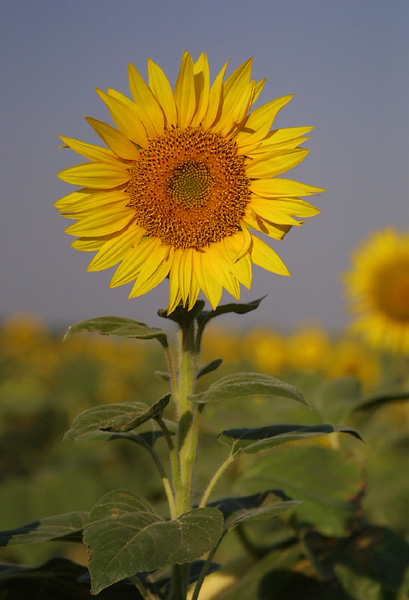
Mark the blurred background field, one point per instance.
(45, 383)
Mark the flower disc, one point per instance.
(189, 188)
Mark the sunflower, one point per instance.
(378, 287)
(186, 181)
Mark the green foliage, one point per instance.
(65, 527)
(119, 326)
(330, 521)
(118, 418)
(126, 536)
(265, 438)
(241, 385)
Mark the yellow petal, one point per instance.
(244, 238)
(202, 88)
(258, 123)
(277, 136)
(265, 257)
(102, 222)
(96, 175)
(185, 274)
(157, 277)
(222, 272)
(289, 206)
(272, 230)
(133, 261)
(185, 97)
(145, 99)
(266, 147)
(205, 278)
(257, 89)
(235, 96)
(94, 153)
(268, 209)
(153, 271)
(236, 78)
(117, 141)
(174, 284)
(275, 164)
(125, 118)
(71, 200)
(234, 118)
(215, 98)
(86, 244)
(115, 249)
(277, 187)
(241, 269)
(92, 202)
(189, 289)
(135, 108)
(162, 91)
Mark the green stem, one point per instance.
(146, 595)
(165, 479)
(216, 478)
(178, 589)
(166, 483)
(188, 417)
(203, 572)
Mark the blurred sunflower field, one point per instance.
(353, 523)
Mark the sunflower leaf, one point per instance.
(257, 506)
(116, 418)
(239, 308)
(211, 366)
(255, 440)
(67, 526)
(118, 326)
(247, 384)
(147, 439)
(163, 375)
(378, 400)
(125, 536)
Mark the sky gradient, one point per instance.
(346, 64)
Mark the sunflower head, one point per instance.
(186, 182)
(378, 287)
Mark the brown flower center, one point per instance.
(189, 188)
(392, 289)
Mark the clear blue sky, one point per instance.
(345, 61)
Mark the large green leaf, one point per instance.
(335, 400)
(117, 418)
(265, 438)
(248, 384)
(66, 526)
(327, 481)
(126, 536)
(263, 505)
(118, 326)
(58, 578)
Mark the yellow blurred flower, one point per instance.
(378, 289)
(309, 349)
(349, 357)
(266, 349)
(186, 180)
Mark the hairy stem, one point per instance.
(216, 478)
